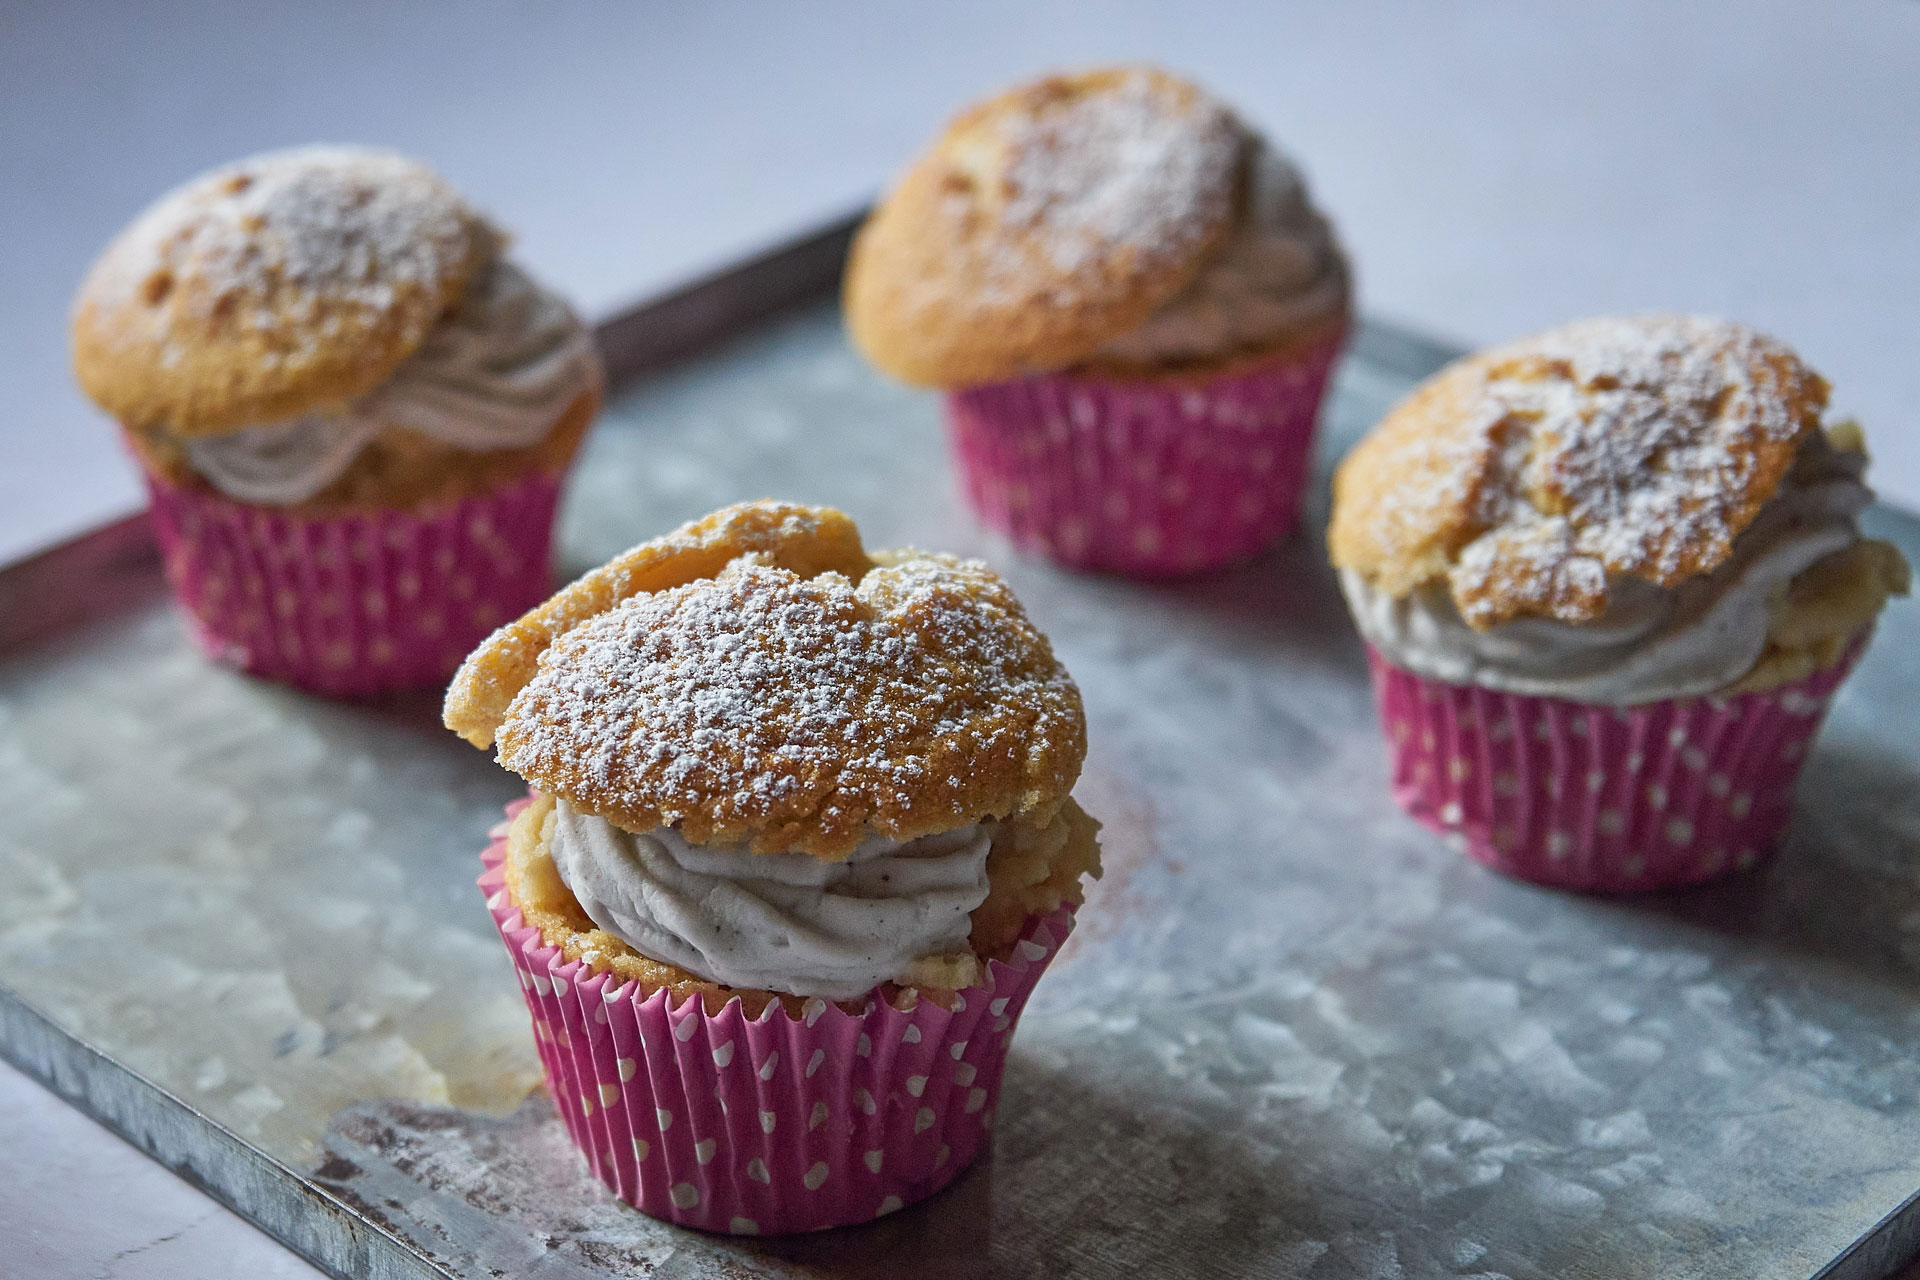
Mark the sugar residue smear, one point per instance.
(1144, 167)
(1638, 446)
(802, 713)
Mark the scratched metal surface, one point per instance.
(1294, 1035)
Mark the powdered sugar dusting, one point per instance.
(759, 701)
(1137, 168)
(1637, 446)
(281, 236)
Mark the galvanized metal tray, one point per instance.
(1294, 1035)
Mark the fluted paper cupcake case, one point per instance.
(1608, 799)
(356, 604)
(1152, 478)
(773, 1124)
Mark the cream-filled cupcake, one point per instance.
(801, 839)
(352, 410)
(1133, 306)
(1610, 577)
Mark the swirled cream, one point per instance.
(775, 921)
(1280, 271)
(498, 373)
(1653, 642)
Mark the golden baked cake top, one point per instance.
(280, 284)
(1526, 475)
(756, 678)
(1042, 224)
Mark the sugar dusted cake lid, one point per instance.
(1042, 224)
(1526, 475)
(757, 678)
(270, 287)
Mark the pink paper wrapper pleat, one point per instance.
(773, 1124)
(1153, 478)
(360, 604)
(1599, 798)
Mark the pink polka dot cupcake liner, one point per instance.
(1599, 798)
(1150, 478)
(773, 1124)
(360, 604)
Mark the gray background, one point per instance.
(1493, 167)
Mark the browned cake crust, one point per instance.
(807, 540)
(1828, 606)
(1526, 475)
(399, 469)
(1042, 224)
(281, 284)
(1032, 868)
(756, 679)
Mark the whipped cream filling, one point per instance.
(1653, 642)
(498, 373)
(1279, 271)
(786, 922)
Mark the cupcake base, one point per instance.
(1153, 478)
(357, 604)
(1607, 799)
(774, 1124)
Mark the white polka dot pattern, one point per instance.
(1607, 799)
(352, 605)
(1151, 478)
(714, 1120)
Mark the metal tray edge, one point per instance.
(106, 569)
(319, 1227)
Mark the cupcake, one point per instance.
(1610, 577)
(799, 843)
(353, 413)
(1133, 308)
